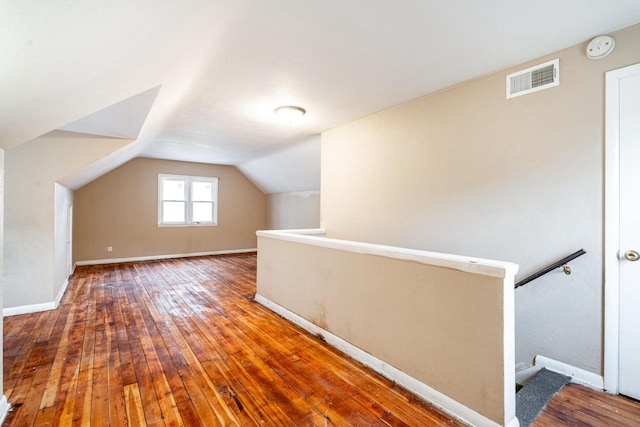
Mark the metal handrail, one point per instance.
(551, 267)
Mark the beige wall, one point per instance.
(466, 171)
(120, 209)
(442, 326)
(32, 169)
(295, 210)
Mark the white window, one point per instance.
(187, 200)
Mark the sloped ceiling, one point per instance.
(121, 120)
(224, 65)
(293, 168)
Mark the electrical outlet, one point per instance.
(245, 241)
(109, 248)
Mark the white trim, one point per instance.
(191, 224)
(28, 309)
(438, 399)
(509, 350)
(525, 375)
(36, 308)
(577, 375)
(513, 423)
(5, 407)
(304, 231)
(485, 267)
(159, 257)
(612, 225)
(61, 292)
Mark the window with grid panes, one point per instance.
(187, 200)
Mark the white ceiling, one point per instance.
(224, 65)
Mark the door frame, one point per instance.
(69, 238)
(612, 224)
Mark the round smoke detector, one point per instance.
(600, 47)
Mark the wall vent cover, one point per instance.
(533, 79)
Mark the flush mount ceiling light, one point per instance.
(289, 113)
(600, 47)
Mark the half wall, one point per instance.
(441, 325)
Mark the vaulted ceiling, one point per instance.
(198, 80)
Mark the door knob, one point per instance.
(632, 255)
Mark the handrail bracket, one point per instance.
(561, 263)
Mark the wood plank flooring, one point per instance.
(181, 342)
(576, 405)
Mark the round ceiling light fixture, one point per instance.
(600, 47)
(290, 113)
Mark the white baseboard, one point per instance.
(523, 376)
(5, 407)
(28, 309)
(433, 396)
(35, 308)
(61, 292)
(158, 257)
(579, 376)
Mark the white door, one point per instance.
(629, 251)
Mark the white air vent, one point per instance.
(533, 79)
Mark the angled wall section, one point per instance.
(34, 273)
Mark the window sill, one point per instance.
(206, 224)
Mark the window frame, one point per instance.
(188, 209)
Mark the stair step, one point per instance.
(534, 396)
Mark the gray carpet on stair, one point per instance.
(533, 397)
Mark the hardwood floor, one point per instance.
(181, 342)
(576, 405)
